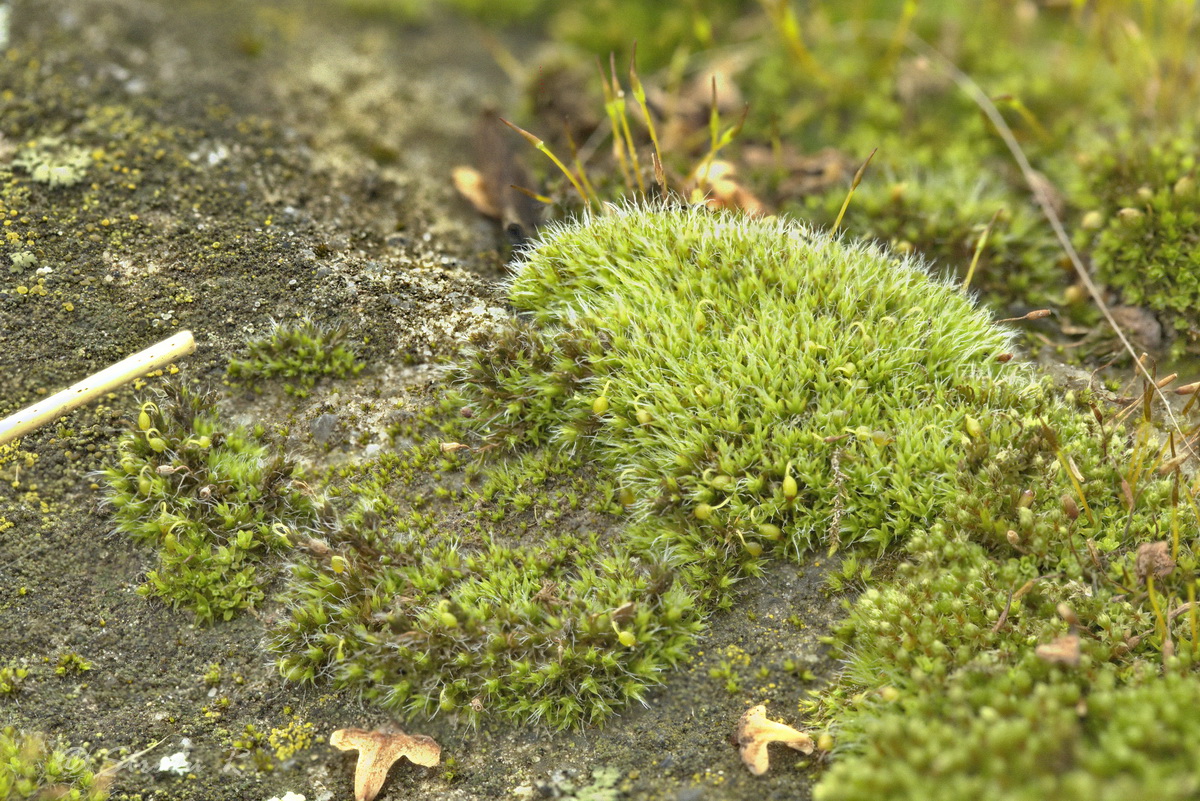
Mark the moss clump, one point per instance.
(652, 349)
(70, 663)
(1144, 225)
(12, 677)
(302, 353)
(1012, 653)
(563, 633)
(212, 500)
(743, 378)
(32, 770)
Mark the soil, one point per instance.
(257, 162)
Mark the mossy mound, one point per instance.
(748, 386)
(743, 378)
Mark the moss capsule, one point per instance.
(770, 531)
(790, 488)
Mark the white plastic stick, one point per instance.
(48, 410)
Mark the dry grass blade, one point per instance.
(540, 145)
(639, 94)
(1041, 194)
(611, 105)
(979, 246)
(858, 176)
(619, 95)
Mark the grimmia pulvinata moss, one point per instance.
(744, 385)
(717, 364)
(738, 379)
(301, 353)
(215, 502)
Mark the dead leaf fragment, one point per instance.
(755, 732)
(377, 751)
(1154, 559)
(471, 184)
(1063, 651)
(717, 186)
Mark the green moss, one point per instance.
(942, 214)
(302, 353)
(12, 676)
(667, 335)
(1143, 223)
(1055, 740)
(421, 622)
(1013, 649)
(213, 501)
(651, 350)
(32, 769)
(71, 664)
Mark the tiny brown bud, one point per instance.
(452, 447)
(1070, 509)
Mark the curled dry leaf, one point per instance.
(377, 751)
(471, 184)
(1154, 559)
(755, 732)
(717, 186)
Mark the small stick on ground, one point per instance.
(47, 411)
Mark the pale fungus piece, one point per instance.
(755, 732)
(1063, 651)
(377, 751)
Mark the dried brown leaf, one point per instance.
(755, 732)
(378, 750)
(1154, 559)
